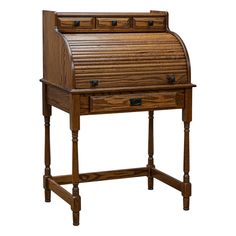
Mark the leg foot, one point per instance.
(76, 206)
(75, 218)
(186, 203)
(150, 183)
(47, 191)
(47, 195)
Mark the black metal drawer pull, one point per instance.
(171, 79)
(150, 23)
(114, 23)
(135, 101)
(77, 23)
(94, 83)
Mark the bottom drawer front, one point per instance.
(135, 102)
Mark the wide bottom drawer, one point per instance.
(136, 101)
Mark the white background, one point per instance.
(120, 207)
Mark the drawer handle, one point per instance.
(77, 23)
(171, 79)
(94, 83)
(114, 23)
(135, 101)
(150, 23)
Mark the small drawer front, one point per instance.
(149, 23)
(75, 24)
(135, 102)
(113, 23)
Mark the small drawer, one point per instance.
(113, 23)
(75, 24)
(156, 23)
(135, 102)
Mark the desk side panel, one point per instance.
(57, 63)
(58, 98)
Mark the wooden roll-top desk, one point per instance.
(97, 63)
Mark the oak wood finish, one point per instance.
(187, 118)
(126, 60)
(112, 103)
(98, 63)
(111, 23)
(157, 23)
(57, 64)
(103, 175)
(61, 192)
(75, 24)
(75, 126)
(47, 153)
(112, 14)
(186, 185)
(167, 179)
(121, 89)
(150, 164)
(58, 98)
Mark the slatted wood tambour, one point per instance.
(96, 63)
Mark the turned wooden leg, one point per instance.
(150, 164)
(47, 170)
(76, 205)
(47, 156)
(186, 192)
(75, 126)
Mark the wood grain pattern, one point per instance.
(137, 89)
(47, 159)
(76, 203)
(47, 147)
(140, 22)
(103, 175)
(70, 24)
(75, 126)
(113, 103)
(167, 179)
(61, 192)
(187, 118)
(106, 23)
(74, 104)
(157, 23)
(187, 111)
(98, 63)
(124, 60)
(58, 98)
(185, 52)
(114, 174)
(186, 191)
(57, 60)
(119, 174)
(150, 164)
